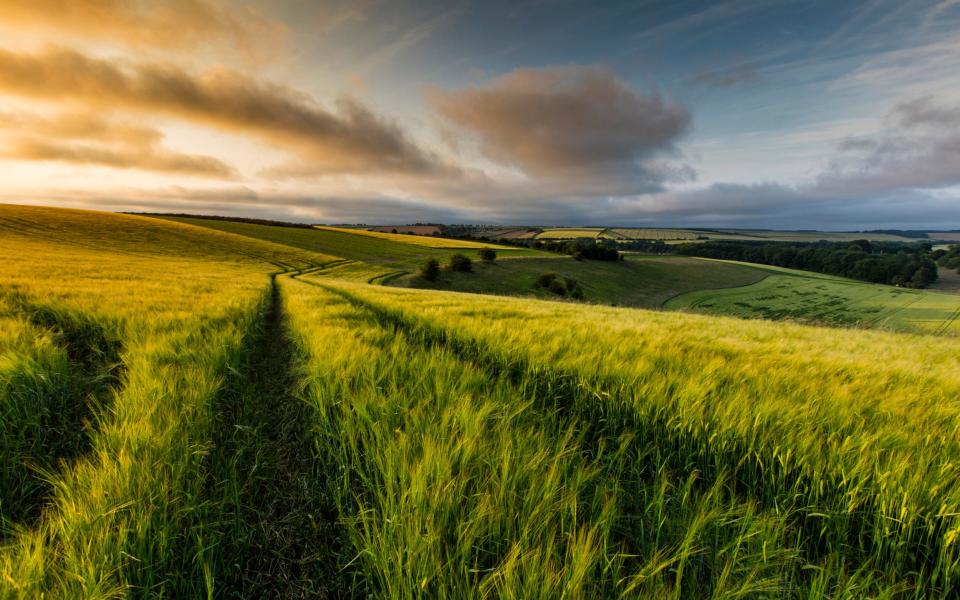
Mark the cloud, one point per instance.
(149, 159)
(920, 148)
(925, 112)
(94, 140)
(760, 205)
(168, 24)
(350, 139)
(570, 123)
(246, 202)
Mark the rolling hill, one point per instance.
(233, 412)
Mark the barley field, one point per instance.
(226, 412)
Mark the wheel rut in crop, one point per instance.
(56, 425)
(278, 531)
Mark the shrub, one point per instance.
(430, 270)
(556, 286)
(459, 262)
(546, 279)
(487, 255)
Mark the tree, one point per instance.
(459, 262)
(487, 255)
(430, 270)
(394, 230)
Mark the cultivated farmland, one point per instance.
(232, 410)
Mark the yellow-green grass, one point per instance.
(455, 481)
(565, 233)
(417, 240)
(470, 446)
(144, 236)
(850, 434)
(639, 281)
(344, 243)
(36, 399)
(132, 516)
(831, 300)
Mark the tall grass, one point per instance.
(854, 441)
(454, 482)
(130, 516)
(36, 393)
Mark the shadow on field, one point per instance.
(277, 527)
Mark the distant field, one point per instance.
(425, 240)
(639, 281)
(568, 233)
(693, 235)
(414, 229)
(649, 234)
(948, 236)
(806, 296)
(346, 243)
(805, 236)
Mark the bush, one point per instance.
(487, 255)
(459, 262)
(556, 286)
(546, 279)
(430, 270)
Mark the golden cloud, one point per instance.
(167, 24)
(350, 139)
(93, 140)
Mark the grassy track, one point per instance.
(126, 518)
(277, 534)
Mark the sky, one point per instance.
(769, 113)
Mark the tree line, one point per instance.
(892, 263)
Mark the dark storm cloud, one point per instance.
(569, 123)
(350, 139)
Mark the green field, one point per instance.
(233, 411)
(639, 281)
(788, 294)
